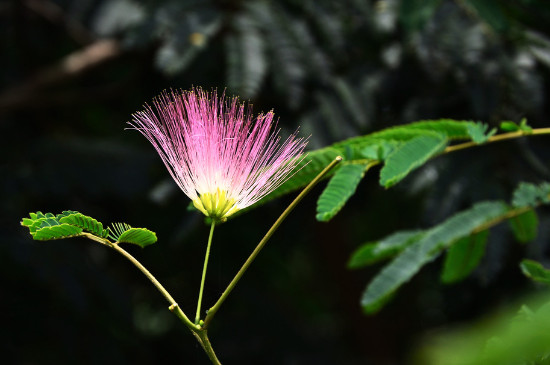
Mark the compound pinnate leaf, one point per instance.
(436, 239)
(71, 223)
(44, 227)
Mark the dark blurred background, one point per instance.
(72, 74)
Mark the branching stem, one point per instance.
(198, 328)
(212, 311)
(174, 307)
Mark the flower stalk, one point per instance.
(214, 309)
(206, 257)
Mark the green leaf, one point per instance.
(307, 170)
(124, 233)
(388, 247)
(509, 126)
(36, 224)
(479, 132)
(530, 195)
(380, 150)
(138, 236)
(339, 189)
(525, 226)
(463, 257)
(378, 146)
(451, 129)
(523, 126)
(44, 227)
(409, 156)
(535, 271)
(436, 239)
(88, 224)
(375, 307)
(504, 339)
(56, 232)
(71, 223)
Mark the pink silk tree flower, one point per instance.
(220, 156)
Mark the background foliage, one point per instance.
(75, 71)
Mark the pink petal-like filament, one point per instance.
(219, 155)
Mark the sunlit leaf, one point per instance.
(138, 236)
(88, 224)
(44, 227)
(56, 232)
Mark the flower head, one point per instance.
(219, 155)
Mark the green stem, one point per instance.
(499, 137)
(202, 337)
(509, 214)
(198, 315)
(212, 311)
(174, 307)
(200, 334)
(173, 304)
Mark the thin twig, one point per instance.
(174, 307)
